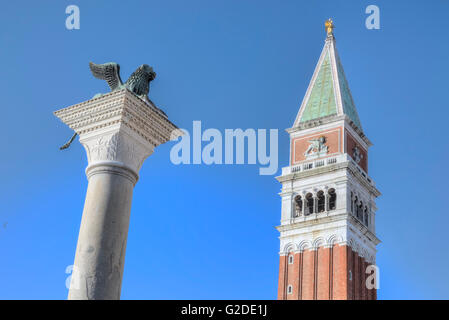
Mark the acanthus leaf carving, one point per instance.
(117, 147)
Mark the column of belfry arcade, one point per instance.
(118, 130)
(327, 231)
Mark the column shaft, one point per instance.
(100, 252)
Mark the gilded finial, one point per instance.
(329, 26)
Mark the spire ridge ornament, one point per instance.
(329, 26)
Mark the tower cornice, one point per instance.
(290, 174)
(329, 120)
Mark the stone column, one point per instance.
(326, 199)
(304, 203)
(315, 202)
(119, 131)
(293, 213)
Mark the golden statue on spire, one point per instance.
(329, 25)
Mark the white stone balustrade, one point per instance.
(309, 165)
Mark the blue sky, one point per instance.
(207, 232)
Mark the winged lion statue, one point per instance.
(138, 82)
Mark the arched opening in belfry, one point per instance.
(366, 216)
(309, 202)
(298, 206)
(360, 211)
(321, 201)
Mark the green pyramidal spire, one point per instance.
(328, 93)
(321, 101)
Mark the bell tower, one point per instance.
(327, 231)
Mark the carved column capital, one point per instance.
(118, 130)
(116, 149)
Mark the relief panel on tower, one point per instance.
(316, 145)
(356, 151)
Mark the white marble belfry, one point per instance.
(119, 131)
